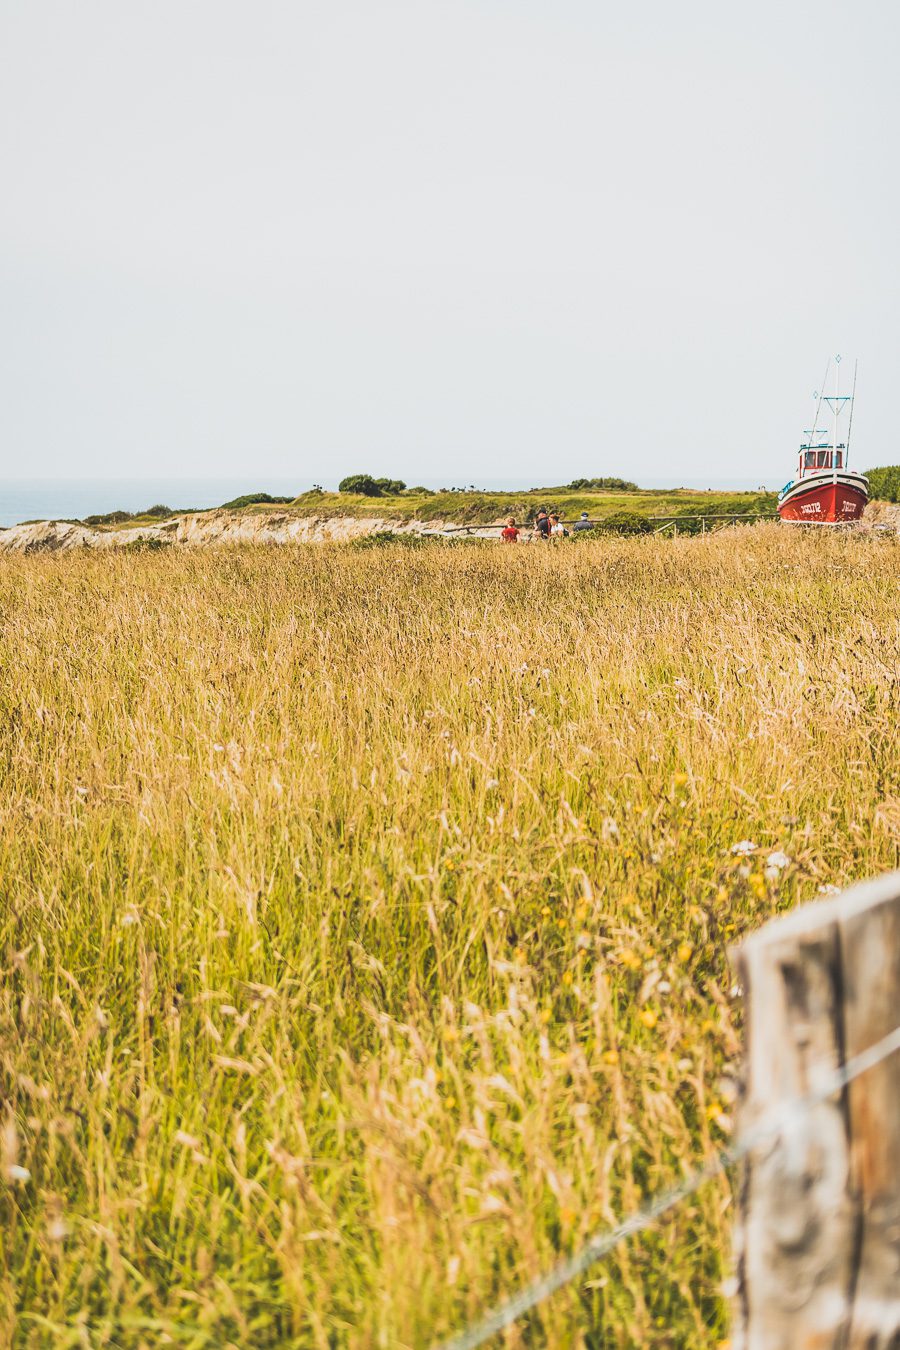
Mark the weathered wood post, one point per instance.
(818, 1233)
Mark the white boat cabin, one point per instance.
(815, 458)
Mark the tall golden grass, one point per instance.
(365, 919)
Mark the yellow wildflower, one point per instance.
(629, 958)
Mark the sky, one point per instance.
(442, 239)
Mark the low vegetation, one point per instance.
(365, 918)
(254, 499)
(884, 484)
(158, 512)
(362, 495)
(472, 507)
(600, 485)
(364, 485)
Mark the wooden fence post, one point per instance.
(817, 1239)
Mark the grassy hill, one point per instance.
(477, 507)
(484, 507)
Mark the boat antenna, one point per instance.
(850, 423)
(819, 395)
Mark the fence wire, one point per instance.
(776, 1122)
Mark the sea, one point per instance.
(74, 498)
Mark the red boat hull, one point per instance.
(824, 501)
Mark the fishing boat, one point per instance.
(825, 491)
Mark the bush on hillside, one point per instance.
(253, 499)
(625, 522)
(109, 518)
(885, 483)
(363, 484)
(601, 485)
(366, 486)
(158, 512)
(151, 545)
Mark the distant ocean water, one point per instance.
(75, 498)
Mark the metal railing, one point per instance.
(722, 519)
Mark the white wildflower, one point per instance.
(743, 848)
(18, 1174)
(778, 860)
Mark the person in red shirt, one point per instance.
(510, 534)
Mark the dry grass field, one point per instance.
(364, 918)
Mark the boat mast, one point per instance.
(813, 435)
(837, 404)
(850, 423)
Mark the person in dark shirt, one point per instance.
(542, 524)
(584, 523)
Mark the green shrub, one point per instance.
(364, 485)
(151, 545)
(601, 485)
(885, 483)
(253, 499)
(626, 522)
(110, 518)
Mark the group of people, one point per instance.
(547, 525)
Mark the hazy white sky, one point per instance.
(443, 238)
